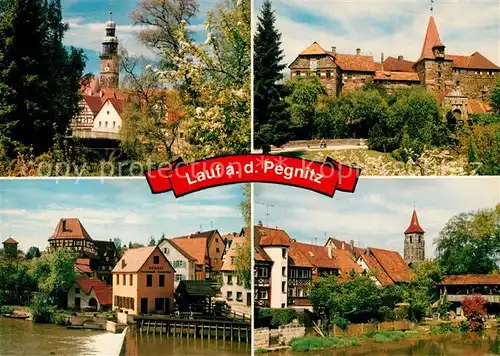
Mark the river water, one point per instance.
(22, 337)
(442, 345)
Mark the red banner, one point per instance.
(321, 177)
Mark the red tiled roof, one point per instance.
(83, 268)
(74, 230)
(117, 104)
(414, 225)
(387, 266)
(376, 268)
(86, 284)
(272, 237)
(296, 257)
(474, 61)
(94, 103)
(431, 39)
(318, 256)
(484, 279)
(181, 251)
(194, 246)
(104, 294)
(10, 240)
(83, 261)
(397, 76)
(476, 106)
(392, 64)
(134, 259)
(355, 62)
(313, 49)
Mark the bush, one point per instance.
(278, 317)
(306, 318)
(464, 326)
(444, 328)
(61, 319)
(385, 336)
(5, 309)
(387, 313)
(475, 312)
(310, 343)
(341, 322)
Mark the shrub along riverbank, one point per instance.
(311, 343)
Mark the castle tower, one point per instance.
(433, 68)
(110, 67)
(10, 248)
(414, 249)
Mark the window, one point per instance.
(133, 303)
(179, 264)
(156, 260)
(181, 134)
(232, 260)
(114, 123)
(439, 74)
(77, 290)
(117, 279)
(229, 279)
(217, 250)
(179, 277)
(216, 239)
(263, 272)
(490, 73)
(131, 280)
(419, 239)
(229, 295)
(149, 280)
(100, 123)
(308, 74)
(328, 74)
(283, 306)
(297, 73)
(162, 281)
(166, 251)
(239, 296)
(124, 280)
(349, 75)
(283, 271)
(238, 280)
(283, 287)
(105, 124)
(410, 239)
(283, 253)
(318, 73)
(263, 294)
(293, 273)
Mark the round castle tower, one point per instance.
(414, 249)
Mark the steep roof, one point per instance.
(474, 61)
(86, 284)
(387, 266)
(297, 258)
(272, 237)
(431, 40)
(179, 249)
(233, 252)
(10, 240)
(414, 225)
(313, 49)
(117, 104)
(318, 256)
(83, 265)
(355, 62)
(476, 106)
(104, 294)
(195, 247)
(259, 254)
(70, 228)
(134, 259)
(392, 64)
(94, 103)
(397, 76)
(474, 279)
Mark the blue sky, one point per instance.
(378, 212)
(87, 20)
(394, 27)
(122, 208)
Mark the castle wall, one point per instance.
(476, 84)
(436, 75)
(351, 80)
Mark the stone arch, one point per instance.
(457, 113)
(93, 302)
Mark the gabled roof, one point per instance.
(93, 102)
(233, 252)
(476, 106)
(296, 257)
(104, 294)
(259, 254)
(196, 288)
(397, 76)
(10, 240)
(392, 64)
(474, 61)
(86, 284)
(414, 225)
(70, 228)
(355, 62)
(117, 104)
(472, 279)
(318, 256)
(431, 40)
(272, 237)
(313, 49)
(195, 247)
(387, 266)
(135, 258)
(178, 248)
(83, 265)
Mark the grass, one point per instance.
(310, 343)
(386, 336)
(260, 351)
(358, 155)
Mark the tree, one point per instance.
(118, 243)
(495, 98)
(271, 119)
(39, 83)
(470, 243)
(33, 252)
(486, 139)
(152, 241)
(475, 312)
(243, 254)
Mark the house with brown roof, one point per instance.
(143, 282)
(459, 287)
(233, 289)
(435, 69)
(386, 267)
(207, 248)
(101, 256)
(181, 260)
(90, 294)
(262, 275)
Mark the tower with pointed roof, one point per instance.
(414, 249)
(434, 68)
(10, 247)
(110, 67)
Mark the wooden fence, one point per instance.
(363, 328)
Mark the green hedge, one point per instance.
(278, 317)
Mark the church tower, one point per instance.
(414, 250)
(110, 67)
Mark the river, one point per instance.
(22, 337)
(442, 345)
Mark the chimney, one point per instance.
(358, 51)
(400, 58)
(343, 245)
(367, 250)
(382, 61)
(334, 50)
(352, 243)
(64, 225)
(330, 251)
(260, 224)
(123, 263)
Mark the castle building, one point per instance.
(471, 76)
(110, 66)
(414, 246)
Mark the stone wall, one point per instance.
(350, 81)
(329, 143)
(124, 318)
(436, 75)
(261, 338)
(283, 335)
(476, 84)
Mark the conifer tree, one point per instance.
(271, 118)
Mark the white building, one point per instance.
(233, 289)
(183, 263)
(91, 294)
(108, 119)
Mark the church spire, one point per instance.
(414, 225)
